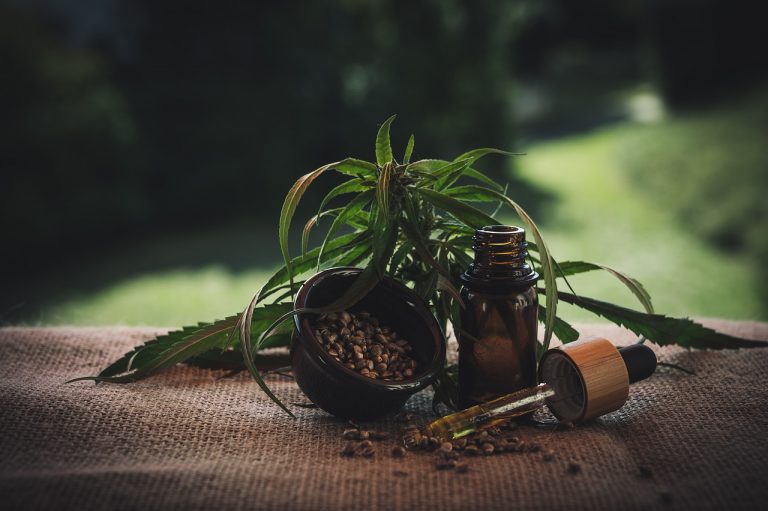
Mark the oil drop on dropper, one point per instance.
(580, 381)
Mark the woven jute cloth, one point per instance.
(194, 439)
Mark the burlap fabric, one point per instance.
(188, 439)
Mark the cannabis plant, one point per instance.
(413, 221)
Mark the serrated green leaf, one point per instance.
(311, 223)
(410, 227)
(470, 194)
(426, 168)
(479, 176)
(350, 186)
(248, 350)
(401, 253)
(663, 330)
(562, 329)
(409, 150)
(476, 154)
(445, 285)
(232, 360)
(308, 261)
(426, 286)
(500, 204)
(353, 207)
(433, 168)
(169, 349)
(465, 213)
(566, 268)
(359, 221)
(218, 359)
(450, 178)
(383, 190)
(385, 235)
(421, 248)
(355, 256)
(383, 145)
(290, 204)
(465, 241)
(356, 167)
(461, 256)
(448, 170)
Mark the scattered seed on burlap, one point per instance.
(448, 455)
(351, 434)
(471, 450)
(349, 449)
(398, 451)
(359, 342)
(378, 435)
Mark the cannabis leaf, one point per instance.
(169, 349)
(663, 330)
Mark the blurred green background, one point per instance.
(146, 147)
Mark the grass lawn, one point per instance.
(170, 298)
(599, 216)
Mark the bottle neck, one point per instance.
(500, 253)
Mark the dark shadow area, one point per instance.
(139, 136)
(127, 121)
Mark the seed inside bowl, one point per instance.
(360, 342)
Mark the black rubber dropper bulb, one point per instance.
(640, 361)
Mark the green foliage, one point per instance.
(411, 221)
(178, 346)
(661, 329)
(711, 171)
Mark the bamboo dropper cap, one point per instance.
(592, 377)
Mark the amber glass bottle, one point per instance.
(497, 339)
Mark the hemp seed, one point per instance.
(398, 452)
(351, 434)
(348, 449)
(373, 351)
(574, 468)
(471, 450)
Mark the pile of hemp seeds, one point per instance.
(452, 455)
(360, 342)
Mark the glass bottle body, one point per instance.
(497, 345)
(497, 335)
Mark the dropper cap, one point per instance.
(592, 377)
